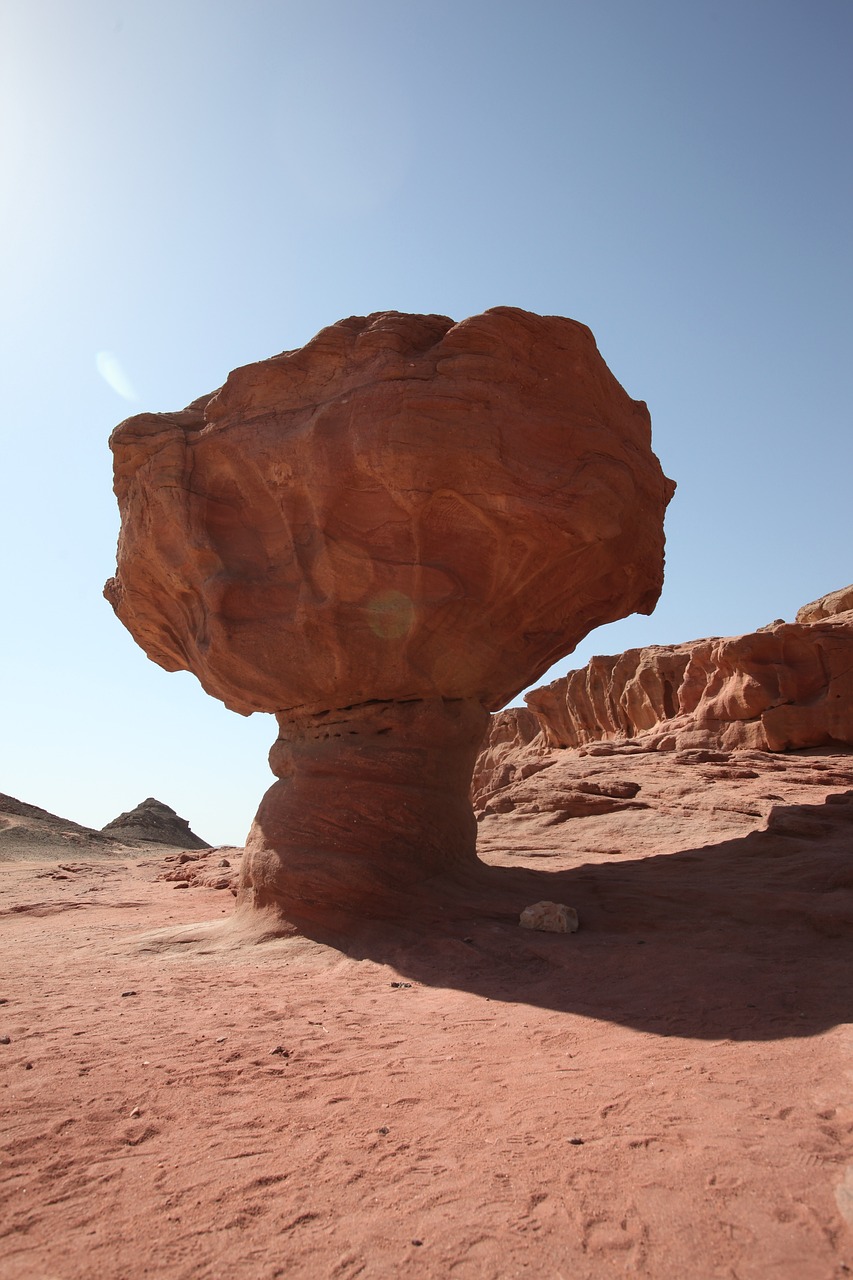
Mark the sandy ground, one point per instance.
(667, 1093)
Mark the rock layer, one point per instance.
(785, 687)
(369, 802)
(391, 530)
(782, 688)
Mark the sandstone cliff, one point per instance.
(785, 687)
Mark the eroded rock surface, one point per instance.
(786, 687)
(403, 508)
(828, 606)
(379, 537)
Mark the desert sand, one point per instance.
(665, 1093)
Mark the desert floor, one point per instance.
(666, 1093)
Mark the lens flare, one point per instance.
(114, 376)
(391, 615)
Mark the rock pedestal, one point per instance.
(370, 802)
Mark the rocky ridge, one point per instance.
(785, 687)
(26, 831)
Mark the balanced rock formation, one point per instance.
(381, 537)
(154, 822)
(785, 687)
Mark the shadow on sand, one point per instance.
(748, 939)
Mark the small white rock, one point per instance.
(550, 917)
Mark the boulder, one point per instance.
(549, 917)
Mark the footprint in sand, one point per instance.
(844, 1196)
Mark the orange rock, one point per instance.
(828, 606)
(784, 687)
(404, 510)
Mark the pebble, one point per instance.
(5, 1040)
(128, 993)
(181, 884)
(401, 985)
(284, 1053)
(135, 1112)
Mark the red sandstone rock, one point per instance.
(377, 537)
(778, 689)
(403, 508)
(827, 606)
(784, 687)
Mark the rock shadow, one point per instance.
(747, 939)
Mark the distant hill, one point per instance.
(30, 833)
(154, 822)
(26, 831)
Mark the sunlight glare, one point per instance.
(113, 374)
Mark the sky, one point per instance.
(191, 185)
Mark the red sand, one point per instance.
(666, 1093)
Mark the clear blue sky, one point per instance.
(188, 186)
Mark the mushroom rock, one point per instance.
(381, 537)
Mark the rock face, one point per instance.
(784, 687)
(155, 822)
(829, 606)
(380, 537)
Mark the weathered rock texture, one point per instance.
(784, 687)
(154, 821)
(380, 537)
(828, 606)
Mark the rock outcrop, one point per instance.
(154, 822)
(380, 537)
(787, 686)
(828, 606)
